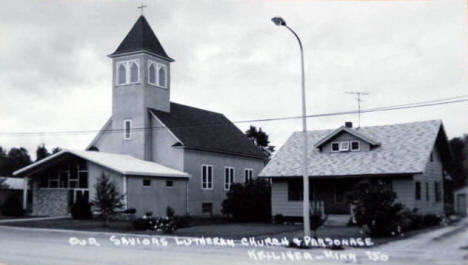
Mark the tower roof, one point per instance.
(141, 38)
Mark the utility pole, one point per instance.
(358, 95)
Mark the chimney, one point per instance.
(348, 124)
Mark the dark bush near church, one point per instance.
(12, 207)
(81, 210)
(375, 207)
(249, 202)
(141, 224)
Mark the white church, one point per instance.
(160, 153)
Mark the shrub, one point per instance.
(129, 211)
(431, 220)
(375, 207)
(141, 224)
(279, 219)
(248, 202)
(182, 221)
(12, 207)
(169, 212)
(81, 210)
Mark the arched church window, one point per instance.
(162, 77)
(122, 74)
(134, 73)
(152, 74)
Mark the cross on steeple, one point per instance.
(141, 7)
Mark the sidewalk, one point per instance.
(32, 219)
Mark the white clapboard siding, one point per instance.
(280, 203)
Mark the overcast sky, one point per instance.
(55, 74)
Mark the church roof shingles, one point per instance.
(207, 131)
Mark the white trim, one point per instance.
(127, 64)
(129, 129)
(331, 147)
(230, 177)
(124, 191)
(207, 177)
(157, 66)
(25, 193)
(91, 158)
(351, 146)
(344, 146)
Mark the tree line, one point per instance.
(18, 157)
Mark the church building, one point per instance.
(160, 153)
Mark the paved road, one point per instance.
(19, 246)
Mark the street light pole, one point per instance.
(306, 204)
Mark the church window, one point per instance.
(134, 73)
(127, 129)
(122, 74)
(207, 177)
(157, 74)
(152, 74)
(162, 76)
(228, 177)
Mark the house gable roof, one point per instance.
(204, 130)
(123, 164)
(404, 149)
(141, 38)
(342, 129)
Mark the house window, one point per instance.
(344, 146)
(207, 207)
(146, 182)
(169, 183)
(427, 191)
(437, 191)
(417, 190)
(127, 129)
(355, 146)
(248, 172)
(228, 177)
(335, 147)
(207, 177)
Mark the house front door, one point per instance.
(461, 202)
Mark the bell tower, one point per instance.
(141, 81)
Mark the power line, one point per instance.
(445, 101)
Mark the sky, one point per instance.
(230, 58)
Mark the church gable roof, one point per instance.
(141, 38)
(207, 131)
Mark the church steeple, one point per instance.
(141, 81)
(141, 38)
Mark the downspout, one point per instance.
(25, 193)
(187, 197)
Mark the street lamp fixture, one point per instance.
(306, 204)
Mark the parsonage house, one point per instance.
(411, 158)
(160, 154)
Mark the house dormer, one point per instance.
(346, 139)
